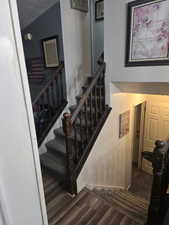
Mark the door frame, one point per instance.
(28, 104)
(142, 125)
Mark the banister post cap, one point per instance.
(159, 144)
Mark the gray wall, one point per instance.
(97, 36)
(47, 25)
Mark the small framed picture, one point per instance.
(81, 5)
(50, 52)
(124, 124)
(99, 10)
(147, 41)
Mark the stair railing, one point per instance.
(159, 203)
(49, 103)
(83, 126)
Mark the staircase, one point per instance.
(98, 207)
(68, 151)
(48, 100)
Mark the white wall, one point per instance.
(77, 47)
(115, 35)
(19, 191)
(109, 163)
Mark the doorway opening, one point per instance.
(150, 123)
(141, 180)
(138, 133)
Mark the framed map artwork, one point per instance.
(147, 41)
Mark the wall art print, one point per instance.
(124, 124)
(81, 5)
(99, 10)
(147, 40)
(50, 52)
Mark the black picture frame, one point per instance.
(79, 6)
(97, 6)
(142, 62)
(53, 40)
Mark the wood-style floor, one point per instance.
(87, 208)
(141, 183)
(57, 199)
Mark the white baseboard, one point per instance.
(106, 187)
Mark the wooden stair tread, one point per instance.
(67, 209)
(125, 205)
(87, 208)
(92, 209)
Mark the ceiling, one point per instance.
(157, 88)
(29, 10)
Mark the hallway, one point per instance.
(141, 183)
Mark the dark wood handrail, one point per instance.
(87, 93)
(56, 73)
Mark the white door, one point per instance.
(156, 128)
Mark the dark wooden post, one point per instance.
(67, 128)
(160, 183)
(104, 89)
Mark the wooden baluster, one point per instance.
(61, 85)
(160, 183)
(49, 103)
(81, 132)
(100, 100)
(76, 144)
(52, 96)
(67, 128)
(56, 92)
(95, 104)
(86, 121)
(104, 92)
(91, 112)
(43, 106)
(100, 96)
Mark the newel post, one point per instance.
(160, 183)
(67, 128)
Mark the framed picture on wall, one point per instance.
(50, 52)
(81, 5)
(124, 124)
(147, 42)
(99, 10)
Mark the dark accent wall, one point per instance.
(47, 25)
